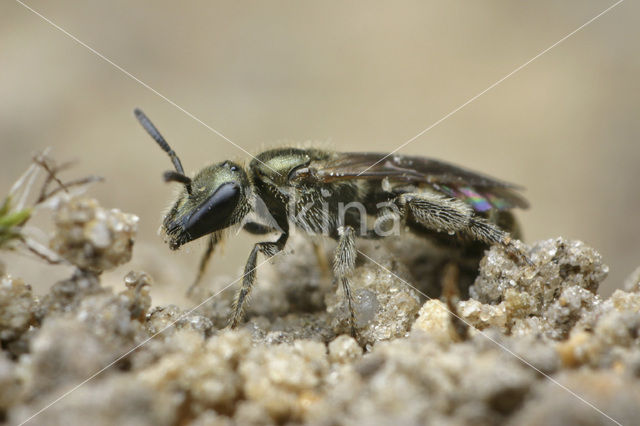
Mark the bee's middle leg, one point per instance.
(269, 249)
(343, 265)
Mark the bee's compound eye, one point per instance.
(230, 166)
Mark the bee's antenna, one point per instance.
(171, 176)
(178, 175)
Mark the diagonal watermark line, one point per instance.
(106, 367)
(501, 346)
(136, 79)
(493, 85)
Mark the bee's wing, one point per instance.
(480, 191)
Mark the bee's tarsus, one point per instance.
(518, 254)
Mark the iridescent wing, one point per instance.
(481, 192)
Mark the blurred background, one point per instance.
(355, 76)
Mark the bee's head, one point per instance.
(214, 199)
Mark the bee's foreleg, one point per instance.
(343, 265)
(269, 249)
(212, 241)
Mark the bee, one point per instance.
(332, 194)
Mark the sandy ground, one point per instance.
(533, 345)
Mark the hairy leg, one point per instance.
(343, 265)
(443, 214)
(214, 239)
(269, 249)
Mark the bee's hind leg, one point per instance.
(442, 214)
(343, 265)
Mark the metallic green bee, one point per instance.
(335, 194)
